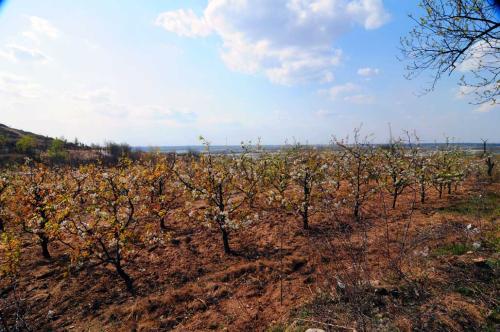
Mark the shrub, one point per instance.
(26, 145)
(57, 152)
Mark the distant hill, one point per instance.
(69, 152)
(10, 136)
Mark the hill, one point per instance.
(12, 136)
(9, 138)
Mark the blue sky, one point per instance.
(163, 72)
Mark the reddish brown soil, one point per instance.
(189, 284)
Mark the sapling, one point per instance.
(213, 178)
(250, 170)
(395, 169)
(39, 203)
(359, 168)
(105, 226)
(308, 171)
(162, 187)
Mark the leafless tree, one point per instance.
(457, 34)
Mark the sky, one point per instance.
(164, 72)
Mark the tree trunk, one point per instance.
(440, 190)
(162, 224)
(490, 164)
(394, 199)
(449, 188)
(129, 282)
(307, 198)
(225, 240)
(251, 201)
(44, 243)
(2, 227)
(356, 211)
(305, 218)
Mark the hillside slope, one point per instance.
(12, 135)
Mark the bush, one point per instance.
(26, 144)
(57, 152)
(117, 151)
(456, 249)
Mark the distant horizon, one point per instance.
(272, 147)
(305, 144)
(291, 141)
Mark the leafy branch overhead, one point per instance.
(456, 35)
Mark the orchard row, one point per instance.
(107, 214)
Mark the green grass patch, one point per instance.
(485, 206)
(304, 313)
(465, 291)
(492, 242)
(285, 328)
(493, 263)
(493, 321)
(455, 249)
(277, 328)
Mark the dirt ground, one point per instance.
(420, 270)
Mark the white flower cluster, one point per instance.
(274, 197)
(154, 239)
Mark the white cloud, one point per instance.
(184, 23)
(41, 27)
(464, 90)
(19, 87)
(487, 107)
(161, 113)
(467, 90)
(7, 55)
(480, 55)
(323, 113)
(368, 72)
(290, 41)
(112, 110)
(337, 91)
(360, 99)
(348, 92)
(370, 13)
(17, 53)
(105, 102)
(99, 96)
